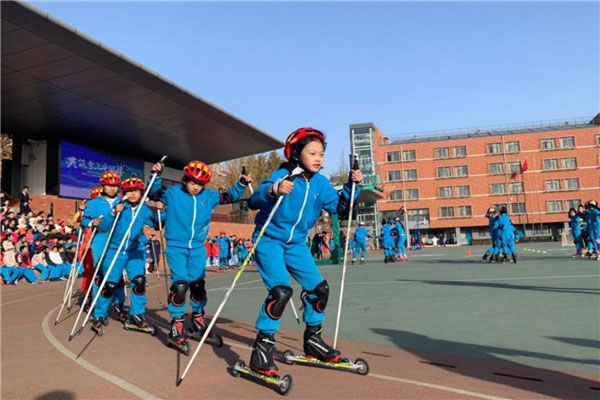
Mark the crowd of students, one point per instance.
(225, 251)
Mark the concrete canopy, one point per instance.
(59, 83)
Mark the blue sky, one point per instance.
(405, 66)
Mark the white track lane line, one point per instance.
(136, 391)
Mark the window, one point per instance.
(552, 185)
(419, 214)
(460, 151)
(446, 212)
(395, 175)
(512, 147)
(396, 195)
(499, 206)
(461, 170)
(567, 142)
(410, 174)
(412, 194)
(569, 163)
(571, 184)
(548, 144)
(409, 155)
(598, 140)
(463, 191)
(518, 208)
(554, 206)
(516, 187)
(514, 167)
(443, 172)
(445, 191)
(550, 164)
(465, 211)
(442, 152)
(497, 188)
(393, 156)
(496, 168)
(494, 148)
(574, 203)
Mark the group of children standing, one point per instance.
(393, 240)
(224, 251)
(585, 228)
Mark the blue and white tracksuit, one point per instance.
(131, 258)
(506, 231)
(101, 206)
(281, 251)
(592, 218)
(186, 228)
(223, 250)
(360, 235)
(575, 222)
(495, 234)
(387, 241)
(400, 239)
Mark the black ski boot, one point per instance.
(98, 326)
(362, 261)
(261, 359)
(315, 347)
(177, 337)
(353, 261)
(485, 256)
(139, 323)
(385, 260)
(514, 258)
(199, 328)
(120, 314)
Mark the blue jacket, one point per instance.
(386, 235)
(493, 224)
(187, 216)
(223, 246)
(593, 219)
(300, 209)
(135, 240)
(361, 234)
(94, 209)
(505, 227)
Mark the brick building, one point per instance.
(447, 182)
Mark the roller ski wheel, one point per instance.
(360, 366)
(283, 384)
(97, 326)
(140, 324)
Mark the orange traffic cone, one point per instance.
(468, 253)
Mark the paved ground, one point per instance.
(442, 325)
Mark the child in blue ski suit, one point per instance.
(494, 251)
(281, 251)
(131, 257)
(575, 224)
(360, 236)
(188, 213)
(593, 223)
(400, 237)
(387, 242)
(223, 251)
(507, 235)
(96, 209)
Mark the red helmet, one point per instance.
(110, 178)
(298, 135)
(97, 191)
(198, 172)
(130, 184)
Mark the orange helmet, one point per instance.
(299, 134)
(198, 172)
(110, 178)
(130, 184)
(97, 191)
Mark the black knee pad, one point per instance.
(197, 291)
(317, 297)
(138, 284)
(178, 291)
(98, 279)
(109, 289)
(276, 301)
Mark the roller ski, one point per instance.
(98, 325)
(177, 337)
(362, 261)
(199, 327)
(139, 323)
(262, 366)
(318, 353)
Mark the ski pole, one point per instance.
(339, 311)
(245, 172)
(162, 250)
(154, 257)
(66, 294)
(134, 216)
(94, 231)
(296, 172)
(124, 274)
(96, 270)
